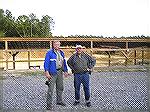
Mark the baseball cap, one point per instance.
(79, 46)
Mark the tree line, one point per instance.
(31, 26)
(25, 26)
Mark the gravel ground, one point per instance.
(110, 91)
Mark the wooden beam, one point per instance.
(76, 39)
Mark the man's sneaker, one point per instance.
(61, 103)
(76, 103)
(49, 107)
(88, 104)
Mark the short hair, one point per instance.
(54, 41)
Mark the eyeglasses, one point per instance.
(79, 48)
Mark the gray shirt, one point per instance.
(59, 60)
(81, 64)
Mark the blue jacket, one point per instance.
(50, 62)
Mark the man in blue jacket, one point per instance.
(55, 66)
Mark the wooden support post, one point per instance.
(6, 48)
(91, 51)
(127, 45)
(135, 57)
(6, 45)
(6, 60)
(108, 52)
(29, 59)
(142, 56)
(1, 64)
(109, 58)
(126, 60)
(14, 54)
(13, 62)
(50, 44)
(91, 44)
(126, 57)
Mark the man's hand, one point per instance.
(48, 75)
(66, 74)
(90, 69)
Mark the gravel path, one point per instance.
(110, 91)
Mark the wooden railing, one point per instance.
(104, 57)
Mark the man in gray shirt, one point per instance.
(81, 65)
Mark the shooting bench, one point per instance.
(34, 67)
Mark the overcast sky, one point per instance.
(88, 17)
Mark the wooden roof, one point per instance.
(77, 39)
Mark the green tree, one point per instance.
(22, 25)
(25, 26)
(10, 25)
(47, 25)
(2, 22)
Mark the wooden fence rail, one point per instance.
(108, 57)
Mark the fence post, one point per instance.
(91, 50)
(14, 54)
(29, 59)
(142, 56)
(127, 45)
(126, 60)
(91, 44)
(13, 62)
(134, 57)
(109, 57)
(6, 49)
(50, 44)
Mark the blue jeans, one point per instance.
(84, 79)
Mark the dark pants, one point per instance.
(84, 79)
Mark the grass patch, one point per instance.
(2, 78)
(147, 66)
(32, 73)
(22, 73)
(123, 70)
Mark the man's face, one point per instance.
(79, 50)
(56, 45)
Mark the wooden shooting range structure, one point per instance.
(12, 46)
